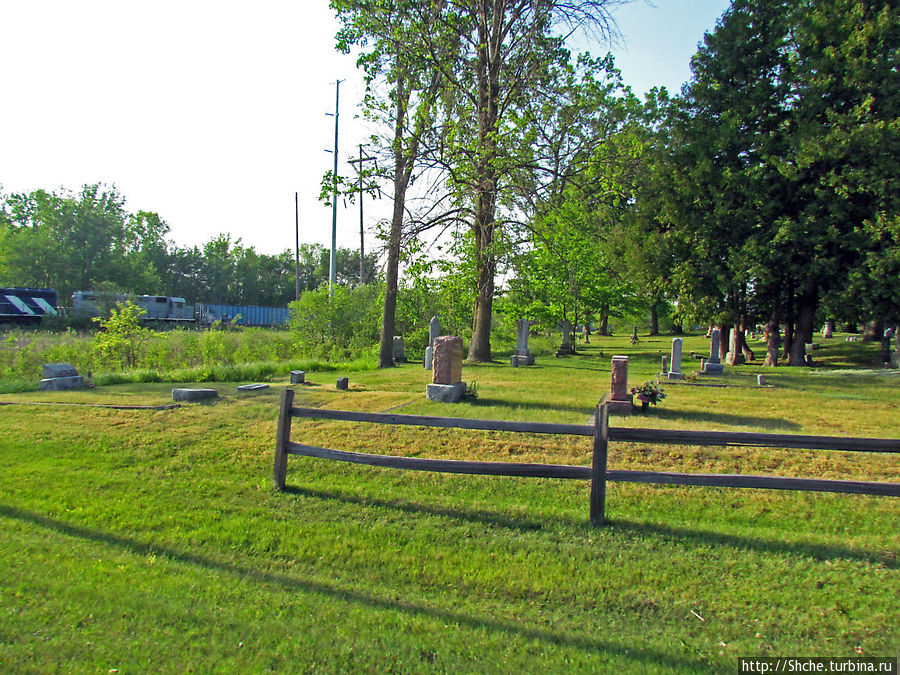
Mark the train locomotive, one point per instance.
(26, 306)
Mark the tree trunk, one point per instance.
(677, 328)
(654, 318)
(403, 165)
(723, 341)
(389, 309)
(788, 339)
(603, 328)
(488, 79)
(745, 348)
(773, 335)
(874, 331)
(804, 333)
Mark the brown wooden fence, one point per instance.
(597, 473)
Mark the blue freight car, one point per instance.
(26, 306)
(243, 315)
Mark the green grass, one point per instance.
(152, 541)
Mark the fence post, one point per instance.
(283, 438)
(598, 464)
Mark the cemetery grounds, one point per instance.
(153, 540)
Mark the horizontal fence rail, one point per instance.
(597, 473)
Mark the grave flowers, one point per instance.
(648, 393)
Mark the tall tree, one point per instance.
(507, 53)
(403, 87)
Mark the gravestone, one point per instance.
(620, 401)
(193, 394)
(675, 371)
(298, 376)
(258, 386)
(522, 355)
(713, 365)
(828, 330)
(434, 331)
(565, 348)
(735, 356)
(59, 376)
(665, 367)
(398, 349)
(343, 383)
(446, 377)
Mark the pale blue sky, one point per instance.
(212, 112)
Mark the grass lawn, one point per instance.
(153, 541)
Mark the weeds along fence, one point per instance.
(597, 473)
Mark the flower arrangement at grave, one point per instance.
(649, 393)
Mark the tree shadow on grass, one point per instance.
(820, 552)
(729, 419)
(336, 592)
(483, 517)
(531, 405)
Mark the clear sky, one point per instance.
(213, 113)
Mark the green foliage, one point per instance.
(337, 325)
(121, 338)
(649, 392)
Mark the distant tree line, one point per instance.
(87, 240)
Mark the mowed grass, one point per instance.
(152, 540)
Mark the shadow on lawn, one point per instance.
(820, 552)
(723, 418)
(484, 517)
(447, 616)
(533, 405)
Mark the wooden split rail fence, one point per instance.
(597, 473)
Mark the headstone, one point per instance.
(828, 330)
(434, 331)
(51, 370)
(566, 346)
(665, 367)
(675, 372)
(343, 383)
(259, 386)
(620, 400)
(193, 394)
(522, 355)
(713, 365)
(735, 356)
(446, 378)
(298, 376)
(760, 381)
(398, 349)
(60, 376)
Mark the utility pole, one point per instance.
(332, 277)
(297, 244)
(362, 245)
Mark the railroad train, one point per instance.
(169, 309)
(26, 306)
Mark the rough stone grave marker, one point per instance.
(446, 378)
(59, 376)
(621, 401)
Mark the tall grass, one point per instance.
(165, 356)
